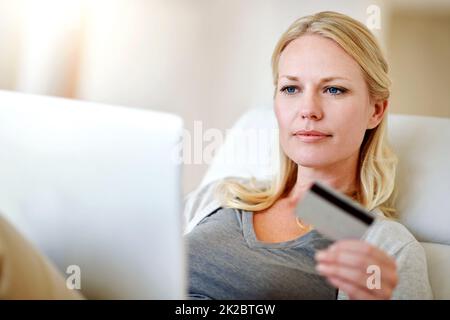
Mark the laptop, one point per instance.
(98, 189)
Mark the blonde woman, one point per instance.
(331, 98)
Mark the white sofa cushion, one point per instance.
(423, 147)
(438, 259)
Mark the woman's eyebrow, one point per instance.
(293, 78)
(323, 80)
(328, 79)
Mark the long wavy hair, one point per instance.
(377, 162)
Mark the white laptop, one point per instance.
(96, 187)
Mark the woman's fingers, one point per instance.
(359, 254)
(348, 261)
(342, 257)
(356, 278)
(352, 291)
(358, 246)
(350, 275)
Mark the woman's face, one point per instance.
(321, 88)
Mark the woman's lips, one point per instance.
(311, 137)
(306, 138)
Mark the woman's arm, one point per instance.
(412, 268)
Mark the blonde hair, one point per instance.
(377, 162)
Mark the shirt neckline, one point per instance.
(253, 242)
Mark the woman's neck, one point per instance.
(340, 176)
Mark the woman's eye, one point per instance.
(335, 90)
(289, 90)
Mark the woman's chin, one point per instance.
(311, 162)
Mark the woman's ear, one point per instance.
(377, 113)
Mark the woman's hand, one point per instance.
(353, 265)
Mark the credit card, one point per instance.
(333, 214)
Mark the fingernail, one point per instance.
(320, 255)
(321, 267)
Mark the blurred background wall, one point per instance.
(206, 60)
(418, 42)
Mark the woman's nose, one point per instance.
(310, 108)
(310, 114)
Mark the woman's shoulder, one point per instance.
(202, 201)
(389, 235)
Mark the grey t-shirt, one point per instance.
(227, 261)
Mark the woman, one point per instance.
(331, 96)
